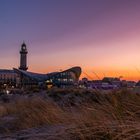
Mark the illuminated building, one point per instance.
(23, 78)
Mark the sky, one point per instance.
(100, 36)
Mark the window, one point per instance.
(65, 80)
(71, 80)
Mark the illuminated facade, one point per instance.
(8, 77)
(60, 79)
(23, 78)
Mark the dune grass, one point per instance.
(111, 116)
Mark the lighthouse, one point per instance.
(23, 57)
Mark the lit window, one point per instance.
(65, 80)
(71, 80)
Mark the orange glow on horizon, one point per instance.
(96, 74)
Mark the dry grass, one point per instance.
(34, 112)
(112, 116)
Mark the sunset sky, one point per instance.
(101, 36)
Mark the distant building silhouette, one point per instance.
(23, 57)
(23, 78)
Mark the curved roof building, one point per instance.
(23, 77)
(64, 78)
